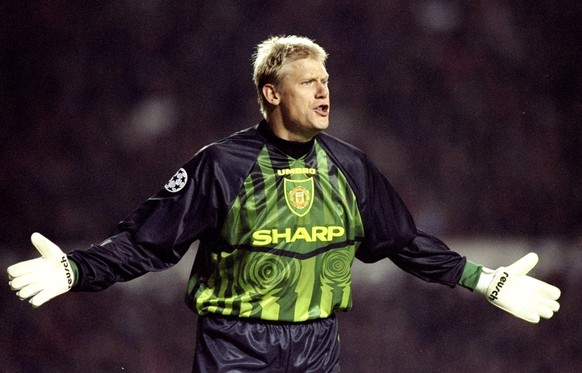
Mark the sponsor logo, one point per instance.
(67, 269)
(177, 182)
(299, 195)
(297, 171)
(495, 293)
(263, 237)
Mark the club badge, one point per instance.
(299, 195)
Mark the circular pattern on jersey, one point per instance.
(177, 182)
(336, 268)
(261, 273)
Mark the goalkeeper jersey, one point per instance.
(277, 233)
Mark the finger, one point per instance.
(30, 290)
(46, 248)
(542, 288)
(548, 304)
(41, 298)
(547, 313)
(545, 307)
(24, 280)
(525, 264)
(25, 267)
(528, 315)
(549, 291)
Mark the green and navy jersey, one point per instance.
(277, 233)
(287, 243)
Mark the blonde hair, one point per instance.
(271, 56)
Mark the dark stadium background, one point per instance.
(472, 110)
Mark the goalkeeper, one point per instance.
(280, 210)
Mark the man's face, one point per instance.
(304, 98)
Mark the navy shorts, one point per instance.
(226, 344)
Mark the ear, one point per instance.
(271, 94)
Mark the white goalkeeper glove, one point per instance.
(43, 278)
(511, 289)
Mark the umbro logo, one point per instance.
(297, 171)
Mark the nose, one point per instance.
(322, 90)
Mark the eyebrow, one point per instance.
(326, 77)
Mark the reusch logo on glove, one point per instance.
(498, 287)
(67, 269)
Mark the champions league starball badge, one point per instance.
(177, 182)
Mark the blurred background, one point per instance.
(471, 109)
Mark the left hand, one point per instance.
(511, 289)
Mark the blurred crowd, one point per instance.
(471, 109)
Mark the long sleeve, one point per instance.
(159, 232)
(192, 206)
(389, 229)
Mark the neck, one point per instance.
(295, 149)
(288, 131)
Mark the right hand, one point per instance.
(43, 278)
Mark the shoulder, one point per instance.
(241, 143)
(242, 146)
(359, 170)
(346, 155)
(337, 144)
(228, 159)
(225, 162)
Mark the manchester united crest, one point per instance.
(299, 195)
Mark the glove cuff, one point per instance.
(470, 276)
(75, 272)
(485, 279)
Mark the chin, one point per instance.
(322, 123)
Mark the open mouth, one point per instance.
(322, 109)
